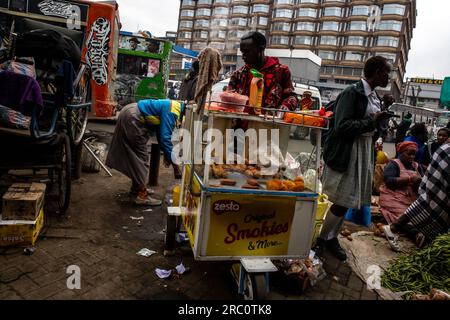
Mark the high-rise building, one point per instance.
(344, 33)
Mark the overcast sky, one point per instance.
(430, 48)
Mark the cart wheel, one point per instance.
(64, 177)
(255, 286)
(171, 230)
(76, 120)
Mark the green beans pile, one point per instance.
(421, 270)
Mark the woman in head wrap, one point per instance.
(402, 178)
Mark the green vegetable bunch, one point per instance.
(421, 270)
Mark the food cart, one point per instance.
(241, 222)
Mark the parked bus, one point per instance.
(143, 68)
(94, 26)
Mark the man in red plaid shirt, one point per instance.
(278, 89)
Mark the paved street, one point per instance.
(98, 235)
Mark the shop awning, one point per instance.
(185, 52)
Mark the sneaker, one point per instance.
(391, 238)
(148, 201)
(335, 248)
(319, 247)
(134, 192)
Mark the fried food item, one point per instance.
(299, 179)
(228, 182)
(288, 185)
(299, 186)
(253, 182)
(275, 185)
(219, 172)
(249, 186)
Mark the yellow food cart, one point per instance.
(229, 223)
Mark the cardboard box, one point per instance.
(17, 233)
(23, 201)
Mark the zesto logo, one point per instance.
(226, 206)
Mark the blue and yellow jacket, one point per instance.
(164, 115)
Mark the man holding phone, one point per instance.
(348, 151)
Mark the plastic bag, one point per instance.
(293, 169)
(89, 164)
(310, 181)
(362, 216)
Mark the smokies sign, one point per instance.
(59, 9)
(250, 226)
(97, 53)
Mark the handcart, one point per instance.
(231, 223)
(53, 120)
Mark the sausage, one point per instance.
(253, 182)
(228, 182)
(249, 186)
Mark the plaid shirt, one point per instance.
(431, 212)
(278, 89)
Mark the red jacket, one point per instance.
(278, 89)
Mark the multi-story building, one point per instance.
(344, 33)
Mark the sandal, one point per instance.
(391, 238)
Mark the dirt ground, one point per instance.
(98, 235)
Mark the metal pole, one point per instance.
(97, 159)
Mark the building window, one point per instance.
(308, 1)
(186, 24)
(390, 25)
(222, 1)
(328, 40)
(360, 11)
(261, 21)
(221, 34)
(187, 13)
(332, 12)
(334, 0)
(204, 2)
(358, 26)
(203, 12)
(307, 12)
(201, 34)
(391, 57)
(281, 26)
(186, 45)
(305, 26)
(198, 46)
(354, 56)
(307, 40)
(239, 22)
(327, 55)
(185, 35)
(260, 8)
(236, 34)
(330, 25)
(219, 22)
(281, 40)
(282, 13)
(221, 11)
(240, 9)
(387, 42)
(285, 1)
(217, 45)
(188, 3)
(355, 41)
(202, 23)
(398, 9)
